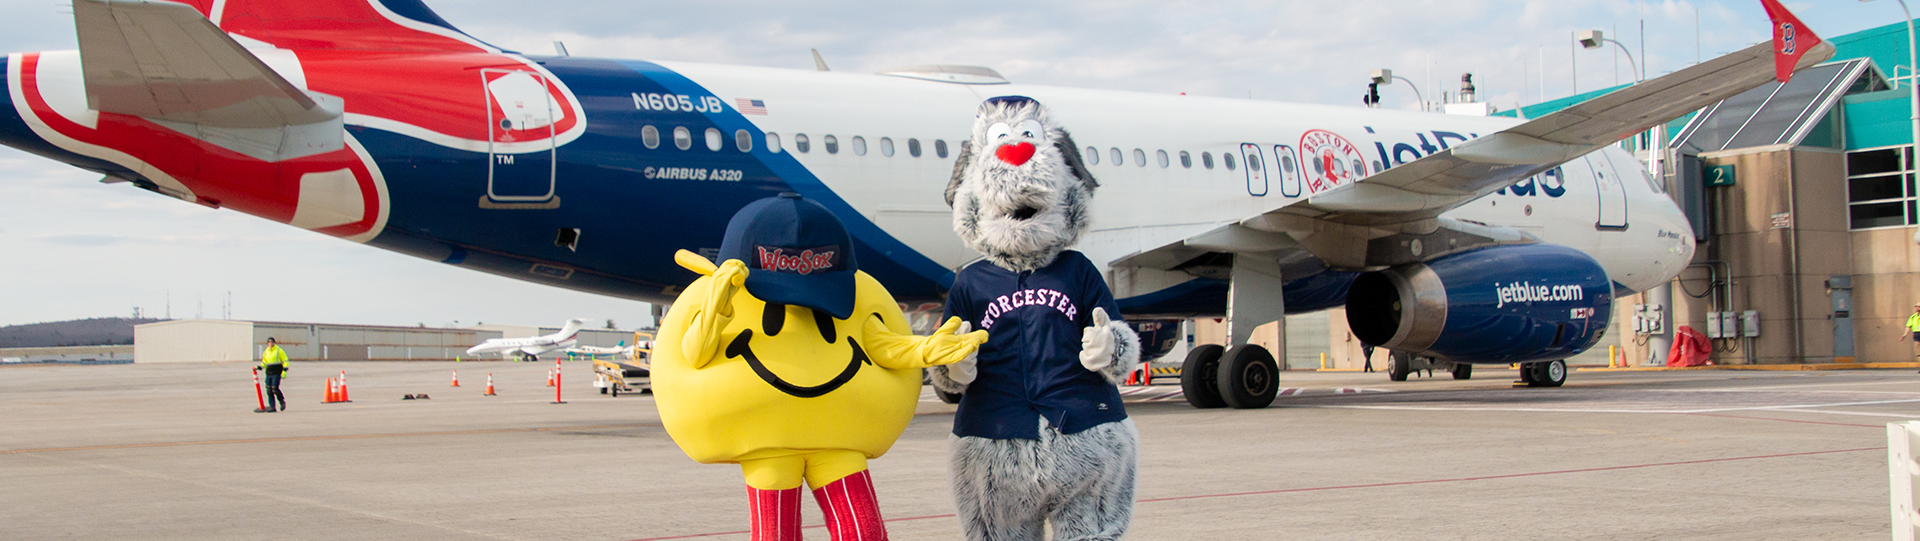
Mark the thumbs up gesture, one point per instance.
(1096, 342)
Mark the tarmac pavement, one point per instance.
(176, 452)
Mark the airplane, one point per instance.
(531, 348)
(622, 349)
(1466, 240)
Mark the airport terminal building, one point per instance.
(216, 340)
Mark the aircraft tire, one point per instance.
(1548, 374)
(1398, 366)
(1248, 377)
(1199, 376)
(1462, 371)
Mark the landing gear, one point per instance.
(1199, 376)
(1247, 377)
(1544, 374)
(1399, 365)
(1462, 371)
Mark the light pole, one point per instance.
(1384, 77)
(1913, 76)
(1593, 39)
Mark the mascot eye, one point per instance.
(1031, 129)
(998, 131)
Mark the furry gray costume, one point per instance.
(1041, 436)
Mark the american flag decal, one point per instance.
(750, 107)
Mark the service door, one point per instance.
(1610, 193)
(1256, 163)
(520, 116)
(1289, 170)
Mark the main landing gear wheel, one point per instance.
(1199, 376)
(950, 398)
(1248, 377)
(1545, 374)
(1399, 365)
(1462, 371)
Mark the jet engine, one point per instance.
(1504, 304)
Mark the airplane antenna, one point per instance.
(559, 48)
(818, 63)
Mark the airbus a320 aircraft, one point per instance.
(532, 347)
(1464, 239)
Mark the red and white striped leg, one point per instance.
(851, 508)
(776, 514)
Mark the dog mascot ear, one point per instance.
(1065, 455)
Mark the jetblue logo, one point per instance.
(1527, 292)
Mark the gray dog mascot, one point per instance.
(1041, 436)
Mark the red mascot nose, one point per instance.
(1015, 154)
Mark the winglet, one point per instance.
(1791, 39)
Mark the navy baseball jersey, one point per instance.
(1030, 365)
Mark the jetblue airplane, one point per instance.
(1460, 239)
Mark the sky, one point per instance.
(76, 248)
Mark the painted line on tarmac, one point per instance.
(1786, 420)
(1370, 485)
(323, 438)
(1795, 407)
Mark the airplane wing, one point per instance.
(1370, 222)
(166, 61)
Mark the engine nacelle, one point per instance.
(1504, 304)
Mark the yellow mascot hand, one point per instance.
(716, 310)
(898, 351)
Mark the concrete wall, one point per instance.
(193, 340)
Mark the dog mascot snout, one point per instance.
(1041, 437)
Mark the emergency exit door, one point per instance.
(520, 150)
(1256, 164)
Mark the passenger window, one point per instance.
(682, 138)
(1139, 157)
(859, 146)
(713, 139)
(1093, 156)
(1118, 159)
(940, 147)
(1206, 159)
(773, 142)
(1286, 163)
(886, 146)
(743, 140)
(1161, 155)
(1186, 160)
(832, 143)
(1228, 159)
(913, 147)
(801, 143)
(650, 136)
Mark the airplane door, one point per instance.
(1289, 170)
(520, 116)
(1610, 193)
(1256, 163)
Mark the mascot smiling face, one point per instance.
(1019, 190)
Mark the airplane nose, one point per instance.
(1016, 155)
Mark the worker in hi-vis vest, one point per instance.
(273, 361)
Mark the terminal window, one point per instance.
(1880, 188)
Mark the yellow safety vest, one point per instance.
(1913, 322)
(272, 356)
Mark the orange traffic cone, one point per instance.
(332, 395)
(343, 388)
(456, 378)
(489, 384)
(549, 377)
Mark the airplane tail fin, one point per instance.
(368, 25)
(571, 328)
(1794, 45)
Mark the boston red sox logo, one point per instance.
(1331, 160)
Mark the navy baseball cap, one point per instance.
(798, 252)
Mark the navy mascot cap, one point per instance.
(798, 251)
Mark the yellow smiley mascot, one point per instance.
(804, 376)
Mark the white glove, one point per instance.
(964, 371)
(1096, 342)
